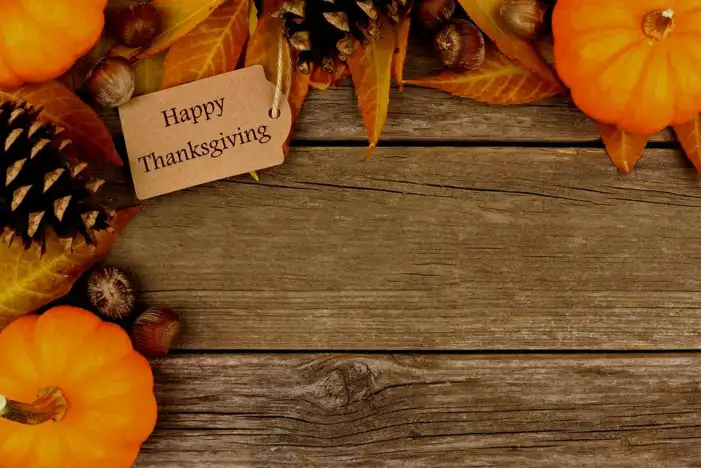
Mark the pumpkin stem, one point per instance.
(658, 24)
(50, 405)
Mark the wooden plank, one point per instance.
(441, 248)
(415, 411)
(428, 114)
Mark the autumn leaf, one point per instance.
(65, 109)
(179, 18)
(252, 18)
(128, 53)
(370, 68)
(148, 74)
(212, 48)
(624, 149)
(485, 13)
(28, 283)
(260, 52)
(401, 40)
(323, 80)
(689, 135)
(497, 81)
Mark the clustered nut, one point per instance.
(460, 45)
(111, 83)
(154, 332)
(433, 13)
(137, 25)
(525, 18)
(111, 292)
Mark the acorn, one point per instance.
(111, 292)
(433, 13)
(137, 25)
(154, 332)
(111, 82)
(460, 45)
(525, 18)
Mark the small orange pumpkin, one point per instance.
(42, 39)
(636, 64)
(93, 403)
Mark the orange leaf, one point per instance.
(370, 68)
(65, 109)
(323, 80)
(497, 81)
(689, 135)
(212, 48)
(28, 283)
(179, 18)
(271, 6)
(624, 149)
(263, 48)
(401, 32)
(485, 13)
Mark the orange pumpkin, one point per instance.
(42, 39)
(91, 393)
(636, 64)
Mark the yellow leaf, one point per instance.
(401, 32)
(624, 149)
(689, 135)
(497, 81)
(148, 74)
(252, 19)
(485, 13)
(85, 128)
(28, 283)
(179, 18)
(212, 48)
(370, 67)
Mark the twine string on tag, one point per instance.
(283, 76)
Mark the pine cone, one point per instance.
(41, 187)
(323, 32)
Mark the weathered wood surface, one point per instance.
(450, 248)
(223, 411)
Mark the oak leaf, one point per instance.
(498, 80)
(28, 283)
(212, 48)
(485, 13)
(625, 149)
(148, 74)
(179, 17)
(65, 109)
(689, 135)
(371, 68)
(401, 32)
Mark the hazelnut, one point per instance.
(111, 83)
(525, 18)
(433, 13)
(154, 332)
(460, 44)
(137, 25)
(111, 292)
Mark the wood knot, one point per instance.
(341, 385)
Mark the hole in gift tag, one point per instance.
(274, 113)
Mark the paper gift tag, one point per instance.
(207, 130)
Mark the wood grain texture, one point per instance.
(548, 411)
(430, 248)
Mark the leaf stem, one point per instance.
(50, 405)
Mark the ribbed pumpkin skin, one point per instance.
(619, 75)
(109, 388)
(42, 39)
